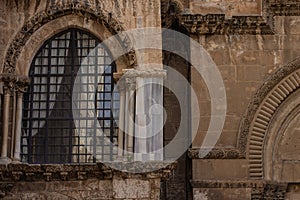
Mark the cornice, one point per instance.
(284, 8)
(66, 172)
(259, 189)
(220, 25)
(216, 153)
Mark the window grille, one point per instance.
(51, 132)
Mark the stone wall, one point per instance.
(251, 42)
(80, 181)
(116, 188)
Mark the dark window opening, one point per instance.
(69, 109)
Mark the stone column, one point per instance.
(121, 88)
(127, 100)
(20, 89)
(130, 100)
(149, 115)
(6, 103)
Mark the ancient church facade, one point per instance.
(70, 103)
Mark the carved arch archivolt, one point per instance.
(255, 125)
(84, 10)
(281, 148)
(55, 26)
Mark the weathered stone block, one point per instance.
(131, 188)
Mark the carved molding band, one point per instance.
(262, 119)
(255, 123)
(56, 9)
(260, 189)
(58, 172)
(14, 82)
(193, 153)
(287, 7)
(227, 184)
(218, 24)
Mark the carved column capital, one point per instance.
(13, 82)
(130, 83)
(21, 86)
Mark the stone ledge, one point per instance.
(226, 184)
(69, 172)
(216, 153)
(257, 24)
(259, 189)
(218, 24)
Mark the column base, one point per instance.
(5, 160)
(16, 161)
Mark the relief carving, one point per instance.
(57, 9)
(218, 24)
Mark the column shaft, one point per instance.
(6, 105)
(17, 145)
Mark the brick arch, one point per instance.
(85, 10)
(262, 108)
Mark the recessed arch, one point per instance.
(282, 142)
(256, 122)
(88, 17)
(69, 105)
(55, 26)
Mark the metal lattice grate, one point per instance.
(51, 132)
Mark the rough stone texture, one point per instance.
(231, 7)
(220, 193)
(88, 189)
(132, 188)
(251, 53)
(78, 181)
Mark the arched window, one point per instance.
(69, 106)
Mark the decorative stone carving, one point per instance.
(260, 189)
(56, 9)
(14, 82)
(170, 11)
(287, 7)
(256, 120)
(274, 191)
(193, 153)
(58, 172)
(226, 184)
(218, 24)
